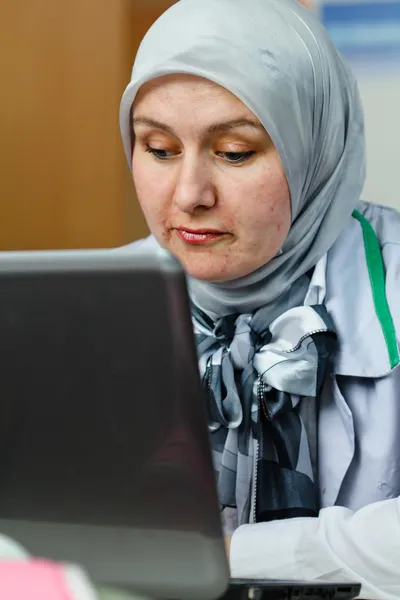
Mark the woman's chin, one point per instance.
(208, 270)
(204, 270)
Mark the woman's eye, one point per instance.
(160, 153)
(236, 157)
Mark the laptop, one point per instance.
(105, 454)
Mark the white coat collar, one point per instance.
(341, 281)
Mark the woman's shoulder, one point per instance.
(384, 220)
(385, 224)
(349, 251)
(358, 289)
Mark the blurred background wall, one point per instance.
(64, 182)
(367, 32)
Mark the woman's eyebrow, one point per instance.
(228, 125)
(152, 123)
(213, 128)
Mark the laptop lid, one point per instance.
(105, 451)
(103, 438)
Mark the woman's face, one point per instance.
(208, 178)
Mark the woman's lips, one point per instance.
(200, 236)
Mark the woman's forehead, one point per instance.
(178, 97)
(178, 87)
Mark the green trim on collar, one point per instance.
(377, 278)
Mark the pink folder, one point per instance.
(33, 580)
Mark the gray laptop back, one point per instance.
(105, 457)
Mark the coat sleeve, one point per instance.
(338, 546)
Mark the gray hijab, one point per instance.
(276, 57)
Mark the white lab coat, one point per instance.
(357, 535)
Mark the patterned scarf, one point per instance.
(262, 384)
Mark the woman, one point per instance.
(244, 131)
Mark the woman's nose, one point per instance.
(194, 187)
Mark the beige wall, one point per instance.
(64, 180)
